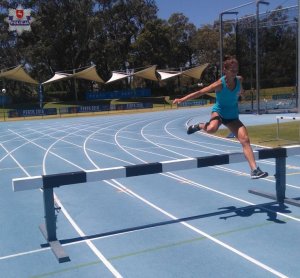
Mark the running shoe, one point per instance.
(193, 128)
(257, 174)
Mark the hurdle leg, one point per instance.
(280, 177)
(48, 229)
(277, 129)
(281, 183)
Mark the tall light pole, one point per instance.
(3, 94)
(229, 11)
(221, 38)
(298, 81)
(258, 2)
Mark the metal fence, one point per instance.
(278, 55)
(278, 68)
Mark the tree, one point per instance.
(121, 23)
(277, 49)
(181, 35)
(152, 46)
(206, 44)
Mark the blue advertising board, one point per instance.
(193, 103)
(31, 112)
(139, 92)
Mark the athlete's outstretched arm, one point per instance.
(216, 86)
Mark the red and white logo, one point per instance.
(19, 13)
(19, 19)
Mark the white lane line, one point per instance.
(16, 167)
(245, 256)
(91, 150)
(198, 231)
(41, 147)
(269, 178)
(120, 189)
(67, 215)
(96, 251)
(203, 145)
(19, 165)
(208, 188)
(95, 165)
(24, 253)
(20, 146)
(54, 143)
(170, 175)
(147, 151)
(89, 138)
(222, 167)
(44, 249)
(188, 181)
(168, 146)
(74, 224)
(209, 135)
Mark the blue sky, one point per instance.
(201, 12)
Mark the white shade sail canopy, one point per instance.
(117, 76)
(58, 77)
(195, 72)
(18, 74)
(87, 74)
(166, 75)
(148, 73)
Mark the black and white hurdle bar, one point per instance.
(286, 118)
(48, 182)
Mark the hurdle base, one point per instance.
(290, 201)
(55, 246)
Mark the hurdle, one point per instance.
(47, 183)
(285, 118)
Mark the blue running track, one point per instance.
(191, 223)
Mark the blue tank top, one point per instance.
(227, 101)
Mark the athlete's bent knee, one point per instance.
(211, 128)
(244, 140)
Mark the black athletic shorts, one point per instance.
(227, 121)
